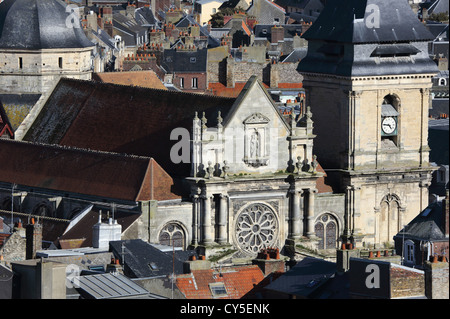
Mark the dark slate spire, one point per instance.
(367, 38)
(355, 21)
(39, 24)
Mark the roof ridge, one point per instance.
(140, 88)
(76, 149)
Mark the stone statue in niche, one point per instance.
(255, 145)
(314, 164)
(210, 170)
(299, 164)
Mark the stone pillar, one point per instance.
(207, 234)
(310, 214)
(295, 214)
(195, 214)
(223, 217)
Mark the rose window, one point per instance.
(256, 228)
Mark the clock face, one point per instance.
(388, 125)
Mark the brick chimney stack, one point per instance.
(33, 239)
(277, 34)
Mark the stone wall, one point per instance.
(406, 282)
(436, 279)
(27, 71)
(14, 249)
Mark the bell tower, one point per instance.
(367, 77)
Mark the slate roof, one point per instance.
(304, 278)
(428, 225)
(122, 119)
(238, 281)
(346, 22)
(176, 61)
(142, 260)
(38, 24)
(79, 171)
(340, 42)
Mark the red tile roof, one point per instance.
(290, 85)
(82, 171)
(147, 78)
(238, 282)
(122, 119)
(218, 89)
(5, 125)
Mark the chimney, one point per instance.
(269, 261)
(277, 34)
(196, 264)
(103, 233)
(343, 256)
(33, 239)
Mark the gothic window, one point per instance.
(172, 234)
(389, 218)
(42, 210)
(256, 228)
(327, 231)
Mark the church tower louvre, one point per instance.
(367, 77)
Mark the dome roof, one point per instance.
(39, 24)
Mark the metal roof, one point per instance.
(108, 285)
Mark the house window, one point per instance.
(408, 252)
(218, 289)
(20, 63)
(194, 83)
(60, 62)
(181, 82)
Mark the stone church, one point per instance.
(247, 177)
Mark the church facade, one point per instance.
(351, 167)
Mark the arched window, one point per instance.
(42, 210)
(172, 234)
(326, 229)
(442, 82)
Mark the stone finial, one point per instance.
(196, 115)
(204, 121)
(314, 164)
(219, 120)
(225, 169)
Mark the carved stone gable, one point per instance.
(256, 118)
